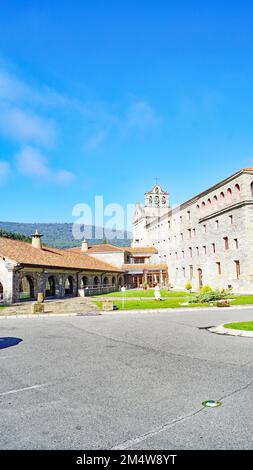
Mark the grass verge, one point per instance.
(246, 325)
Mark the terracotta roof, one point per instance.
(141, 249)
(25, 254)
(144, 266)
(108, 248)
(102, 248)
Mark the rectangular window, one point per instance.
(182, 253)
(197, 250)
(190, 252)
(226, 243)
(194, 232)
(218, 267)
(214, 248)
(238, 269)
(204, 228)
(236, 243)
(183, 271)
(182, 236)
(189, 215)
(231, 219)
(176, 255)
(189, 233)
(191, 272)
(217, 225)
(204, 249)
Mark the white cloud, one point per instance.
(4, 171)
(26, 127)
(64, 177)
(31, 162)
(140, 117)
(95, 140)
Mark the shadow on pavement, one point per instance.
(8, 342)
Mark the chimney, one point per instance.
(84, 246)
(36, 240)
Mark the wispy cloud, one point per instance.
(94, 141)
(140, 117)
(31, 162)
(25, 127)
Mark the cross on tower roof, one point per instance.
(156, 179)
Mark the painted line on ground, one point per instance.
(33, 387)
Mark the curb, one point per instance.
(49, 315)
(220, 330)
(171, 310)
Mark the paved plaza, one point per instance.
(127, 381)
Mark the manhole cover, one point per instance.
(211, 403)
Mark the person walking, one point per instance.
(157, 292)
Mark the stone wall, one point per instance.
(39, 278)
(193, 236)
(6, 279)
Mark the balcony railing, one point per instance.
(89, 291)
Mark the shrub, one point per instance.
(210, 296)
(206, 289)
(188, 286)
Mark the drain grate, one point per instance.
(211, 403)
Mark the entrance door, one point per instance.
(200, 278)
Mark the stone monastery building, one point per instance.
(205, 240)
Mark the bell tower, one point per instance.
(157, 199)
(156, 205)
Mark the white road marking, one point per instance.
(130, 442)
(10, 392)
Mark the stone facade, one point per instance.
(206, 240)
(37, 280)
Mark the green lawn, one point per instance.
(172, 300)
(146, 293)
(242, 300)
(150, 303)
(247, 325)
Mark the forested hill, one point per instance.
(60, 234)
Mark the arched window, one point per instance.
(209, 203)
(222, 198)
(84, 282)
(69, 286)
(237, 191)
(120, 281)
(203, 206)
(150, 200)
(156, 201)
(26, 288)
(113, 281)
(251, 188)
(105, 281)
(197, 207)
(50, 287)
(1, 291)
(229, 194)
(95, 282)
(215, 201)
(163, 201)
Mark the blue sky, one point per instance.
(100, 97)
